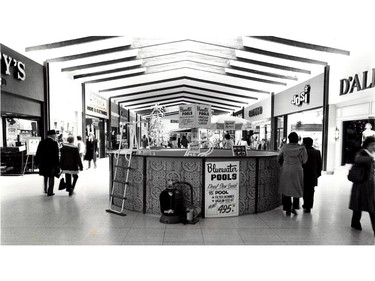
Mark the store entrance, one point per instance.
(352, 138)
(98, 127)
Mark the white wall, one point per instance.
(65, 100)
(352, 106)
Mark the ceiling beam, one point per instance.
(90, 54)
(66, 43)
(247, 68)
(207, 99)
(184, 77)
(97, 64)
(303, 45)
(283, 56)
(154, 95)
(113, 70)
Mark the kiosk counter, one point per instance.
(223, 185)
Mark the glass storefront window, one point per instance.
(307, 124)
(17, 130)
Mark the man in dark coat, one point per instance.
(47, 158)
(312, 170)
(362, 197)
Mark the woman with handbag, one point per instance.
(362, 195)
(70, 164)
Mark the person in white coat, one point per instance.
(291, 157)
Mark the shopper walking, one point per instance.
(291, 157)
(228, 142)
(144, 142)
(312, 170)
(81, 147)
(184, 142)
(362, 195)
(47, 159)
(91, 149)
(70, 164)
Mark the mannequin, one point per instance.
(368, 131)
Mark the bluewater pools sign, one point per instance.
(195, 116)
(187, 114)
(221, 189)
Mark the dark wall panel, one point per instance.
(17, 105)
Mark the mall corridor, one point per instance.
(28, 217)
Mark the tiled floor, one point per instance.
(28, 217)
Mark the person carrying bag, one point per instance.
(362, 194)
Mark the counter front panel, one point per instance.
(258, 181)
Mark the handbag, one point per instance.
(357, 174)
(62, 184)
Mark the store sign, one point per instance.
(347, 85)
(187, 116)
(221, 189)
(195, 116)
(229, 126)
(303, 97)
(203, 116)
(12, 67)
(194, 148)
(96, 105)
(256, 111)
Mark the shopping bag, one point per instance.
(62, 184)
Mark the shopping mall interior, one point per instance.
(100, 77)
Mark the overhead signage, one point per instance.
(256, 111)
(348, 85)
(203, 116)
(96, 105)
(195, 116)
(221, 189)
(187, 116)
(303, 97)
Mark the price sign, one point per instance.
(221, 189)
(32, 145)
(229, 126)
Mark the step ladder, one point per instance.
(121, 196)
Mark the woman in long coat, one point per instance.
(91, 148)
(70, 164)
(362, 195)
(291, 157)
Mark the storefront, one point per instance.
(97, 116)
(259, 135)
(124, 119)
(114, 125)
(23, 109)
(300, 109)
(352, 104)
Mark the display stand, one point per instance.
(31, 148)
(239, 150)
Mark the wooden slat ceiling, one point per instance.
(227, 73)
